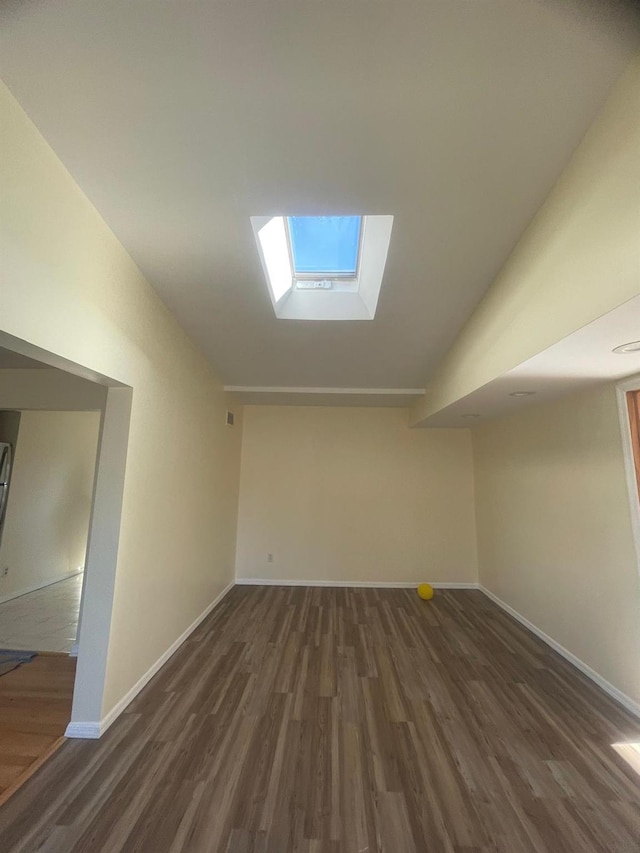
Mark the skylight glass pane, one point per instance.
(325, 245)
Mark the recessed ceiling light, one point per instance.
(522, 393)
(633, 346)
(470, 416)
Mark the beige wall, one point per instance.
(579, 259)
(70, 288)
(341, 494)
(47, 519)
(49, 390)
(9, 426)
(555, 540)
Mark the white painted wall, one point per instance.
(47, 519)
(341, 494)
(68, 287)
(555, 537)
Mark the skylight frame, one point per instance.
(355, 299)
(345, 278)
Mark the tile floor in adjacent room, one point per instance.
(45, 620)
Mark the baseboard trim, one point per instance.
(20, 592)
(624, 700)
(83, 730)
(367, 584)
(94, 729)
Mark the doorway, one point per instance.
(628, 392)
(633, 407)
(47, 492)
(68, 433)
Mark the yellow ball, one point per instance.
(425, 591)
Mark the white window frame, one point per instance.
(336, 279)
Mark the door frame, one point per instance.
(630, 384)
(103, 539)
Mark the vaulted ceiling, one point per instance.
(181, 120)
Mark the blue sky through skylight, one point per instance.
(327, 245)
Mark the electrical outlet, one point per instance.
(269, 558)
(5, 571)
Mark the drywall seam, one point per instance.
(626, 701)
(96, 728)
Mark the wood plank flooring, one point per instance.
(346, 721)
(35, 707)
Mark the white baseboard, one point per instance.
(95, 729)
(616, 694)
(90, 731)
(41, 585)
(368, 584)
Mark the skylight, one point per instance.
(324, 246)
(323, 267)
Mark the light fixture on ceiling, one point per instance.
(522, 393)
(632, 346)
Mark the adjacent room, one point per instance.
(320, 426)
(47, 481)
(45, 525)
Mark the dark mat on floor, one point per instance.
(12, 658)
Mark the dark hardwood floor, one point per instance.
(346, 721)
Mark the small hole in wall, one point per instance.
(229, 418)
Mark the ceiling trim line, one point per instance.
(244, 389)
